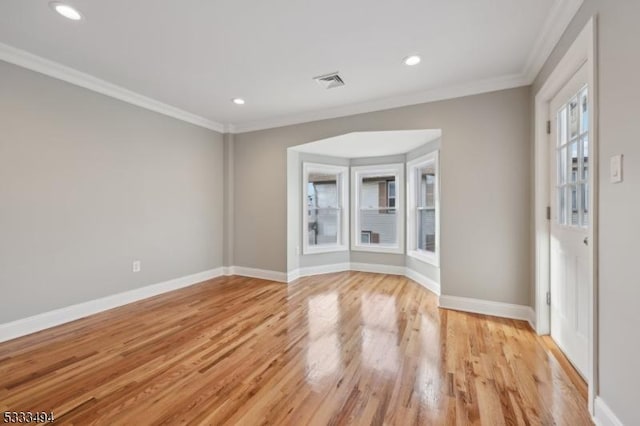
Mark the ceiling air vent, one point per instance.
(329, 81)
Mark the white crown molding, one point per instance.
(35, 323)
(604, 416)
(554, 26)
(487, 307)
(61, 72)
(432, 95)
(556, 23)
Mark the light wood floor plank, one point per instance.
(350, 348)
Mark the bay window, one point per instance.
(377, 223)
(423, 215)
(325, 208)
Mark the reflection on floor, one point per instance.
(340, 348)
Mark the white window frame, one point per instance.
(343, 198)
(413, 167)
(357, 174)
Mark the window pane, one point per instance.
(426, 188)
(573, 118)
(323, 226)
(322, 190)
(374, 191)
(574, 205)
(573, 158)
(585, 157)
(427, 230)
(562, 166)
(562, 126)
(584, 112)
(392, 189)
(562, 206)
(380, 224)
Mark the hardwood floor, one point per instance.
(347, 348)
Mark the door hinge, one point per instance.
(549, 127)
(548, 212)
(548, 299)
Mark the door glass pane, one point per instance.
(562, 206)
(323, 226)
(427, 230)
(585, 204)
(562, 126)
(322, 190)
(584, 112)
(573, 158)
(574, 221)
(562, 166)
(585, 157)
(573, 118)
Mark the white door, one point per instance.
(570, 219)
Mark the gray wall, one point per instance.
(619, 110)
(485, 166)
(88, 184)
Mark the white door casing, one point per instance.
(570, 219)
(582, 52)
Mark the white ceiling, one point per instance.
(197, 55)
(370, 144)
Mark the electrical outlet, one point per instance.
(137, 266)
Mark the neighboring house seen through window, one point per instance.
(377, 215)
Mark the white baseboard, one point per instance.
(604, 416)
(293, 275)
(29, 325)
(378, 268)
(486, 307)
(532, 319)
(259, 273)
(424, 281)
(309, 271)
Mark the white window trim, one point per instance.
(343, 197)
(357, 173)
(412, 205)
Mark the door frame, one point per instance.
(581, 52)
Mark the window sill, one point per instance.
(324, 249)
(378, 249)
(426, 257)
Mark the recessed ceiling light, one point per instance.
(411, 60)
(66, 10)
(238, 101)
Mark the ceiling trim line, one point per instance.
(432, 95)
(58, 71)
(551, 32)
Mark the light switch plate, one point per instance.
(616, 169)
